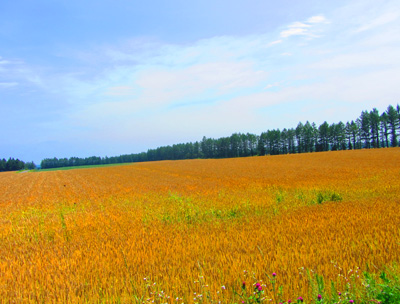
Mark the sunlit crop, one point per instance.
(195, 230)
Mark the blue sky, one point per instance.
(83, 78)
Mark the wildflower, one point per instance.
(257, 285)
(289, 301)
(223, 287)
(300, 299)
(340, 293)
(259, 288)
(351, 301)
(274, 274)
(319, 297)
(244, 285)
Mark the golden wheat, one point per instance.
(176, 229)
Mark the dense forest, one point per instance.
(370, 130)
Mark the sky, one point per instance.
(111, 77)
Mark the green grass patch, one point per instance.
(81, 167)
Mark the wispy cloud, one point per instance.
(18, 72)
(294, 32)
(303, 28)
(381, 20)
(317, 19)
(299, 25)
(276, 42)
(3, 62)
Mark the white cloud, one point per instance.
(316, 19)
(293, 32)
(303, 29)
(299, 25)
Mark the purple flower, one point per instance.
(289, 301)
(300, 299)
(258, 285)
(274, 274)
(319, 297)
(244, 285)
(259, 288)
(351, 301)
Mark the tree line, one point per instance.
(370, 130)
(15, 164)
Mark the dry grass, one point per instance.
(93, 235)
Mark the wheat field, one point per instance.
(195, 230)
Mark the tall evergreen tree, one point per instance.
(393, 123)
(375, 124)
(3, 163)
(355, 135)
(365, 128)
(308, 136)
(261, 146)
(384, 130)
(299, 137)
(323, 137)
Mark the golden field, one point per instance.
(176, 229)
